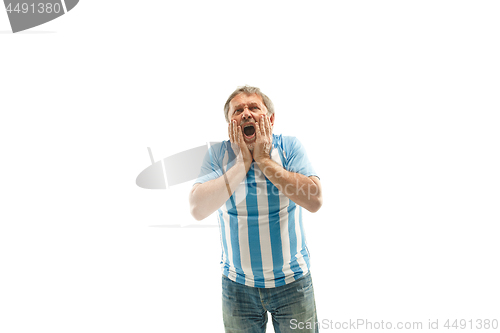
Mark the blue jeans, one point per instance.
(292, 307)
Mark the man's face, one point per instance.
(246, 110)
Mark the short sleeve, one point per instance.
(296, 157)
(211, 167)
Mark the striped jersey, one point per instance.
(261, 230)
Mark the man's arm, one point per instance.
(206, 198)
(304, 191)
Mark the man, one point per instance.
(259, 182)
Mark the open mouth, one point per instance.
(249, 131)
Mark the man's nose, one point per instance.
(246, 113)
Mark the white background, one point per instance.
(396, 102)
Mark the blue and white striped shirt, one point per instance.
(262, 235)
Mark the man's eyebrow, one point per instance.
(241, 106)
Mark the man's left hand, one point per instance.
(263, 140)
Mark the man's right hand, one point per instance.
(239, 145)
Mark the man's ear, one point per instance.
(272, 119)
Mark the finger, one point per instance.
(241, 142)
(230, 131)
(257, 130)
(264, 129)
(240, 135)
(235, 144)
(266, 121)
(269, 126)
(235, 132)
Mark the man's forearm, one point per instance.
(206, 198)
(304, 191)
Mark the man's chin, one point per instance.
(250, 146)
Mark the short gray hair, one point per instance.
(249, 90)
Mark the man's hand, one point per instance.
(264, 139)
(238, 144)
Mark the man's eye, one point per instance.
(255, 107)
